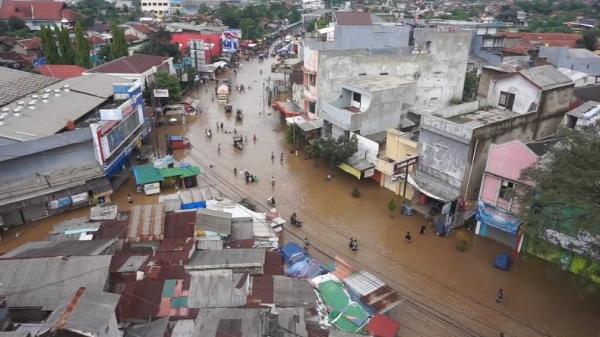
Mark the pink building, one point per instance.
(496, 212)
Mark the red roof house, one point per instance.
(213, 42)
(382, 326)
(61, 71)
(38, 13)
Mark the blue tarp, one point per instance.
(502, 261)
(194, 205)
(291, 252)
(306, 268)
(497, 218)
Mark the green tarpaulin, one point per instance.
(181, 172)
(344, 314)
(146, 174)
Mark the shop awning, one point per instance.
(421, 189)
(349, 169)
(181, 172)
(146, 174)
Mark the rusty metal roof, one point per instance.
(146, 223)
(180, 225)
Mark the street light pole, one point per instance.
(263, 96)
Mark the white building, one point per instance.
(158, 7)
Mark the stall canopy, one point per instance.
(438, 195)
(181, 172)
(146, 174)
(349, 169)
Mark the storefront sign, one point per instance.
(497, 218)
(369, 172)
(80, 198)
(402, 165)
(60, 203)
(161, 92)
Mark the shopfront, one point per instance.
(499, 225)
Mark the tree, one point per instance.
(470, 87)
(250, 30)
(14, 23)
(3, 27)
(566, 196)
(166, 81)
(159, 43)
(65, 49)
(335, 151)
(49, 45)
(118, 46)
(82, 47)
(590, 39)
(392, 207)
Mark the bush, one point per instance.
(462, 241)
(355, 192)
(392, 207)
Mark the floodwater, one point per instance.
(444, 292)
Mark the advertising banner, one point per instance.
(230, 40)
(497, 218)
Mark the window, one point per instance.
(506, 100)
(355, 100)
(506, 190)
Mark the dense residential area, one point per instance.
(299, 168)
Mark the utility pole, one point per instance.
(157, 144)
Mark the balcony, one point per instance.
(349, 120)
(310, 93)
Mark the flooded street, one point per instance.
(446, 292)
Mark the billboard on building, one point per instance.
(230, 40)
(497, 218)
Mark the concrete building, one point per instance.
(368, 105)
(583, 116)
(399, 156)
(65, 145)
(453, 147)
(579, 59)
(137, 67)
(435, 59)
(157, 7)
(496, 208)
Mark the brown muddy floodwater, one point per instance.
(445, 292)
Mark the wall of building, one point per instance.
(47, 161)
(527, 95)
(555, 104)
(439, 73)
(485, 79)
(386, 109)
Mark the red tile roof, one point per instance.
(36, 10)
(34, 43)
(8, 40)
(61, 71)
(96, 40)
(142, 28)
(353, 19)
(131, 38)
(550, 39)
(134, 64)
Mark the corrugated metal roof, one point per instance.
(183, 328)
(15, 334)
(88, 312)
(16, 83)
(227, 258)
(546, 77)
(133, 263)
(22, 149)
(216, 288)
(156, 328)
(289, 292)
(209, 243)
(214, 221)
(180, 225)
(61, 248)
(146, 223)
(146, 174)
(251, 322)
(45, 282)
(363, 282)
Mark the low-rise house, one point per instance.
(579, 59)
(37, 286)
(368, 105)
(36, 249)
(146, 224)
(86, 313)
(583, 116)
(580, 78)
(29, 47)
(138, 67)
(37, 13)
(238, 260)
(398, 159)
(61, 71)
(497, 209)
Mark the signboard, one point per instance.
(369, 172)
(161, 92)
(231, 40)
(497, 218)
(402, 165)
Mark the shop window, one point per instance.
(506, 190)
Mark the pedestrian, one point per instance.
(355, 245)
(351, 243)
(272, 156)
(499, 296)
(254, 138)
(272, 181)
(234, 131)
(235, 171)
(422, 230)
(328, 177)
(221, 125)
(129, 199)
(296, 152)
(281, 157)
(219, 148)
(306, 243)
(217, 126)
(408, 237)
